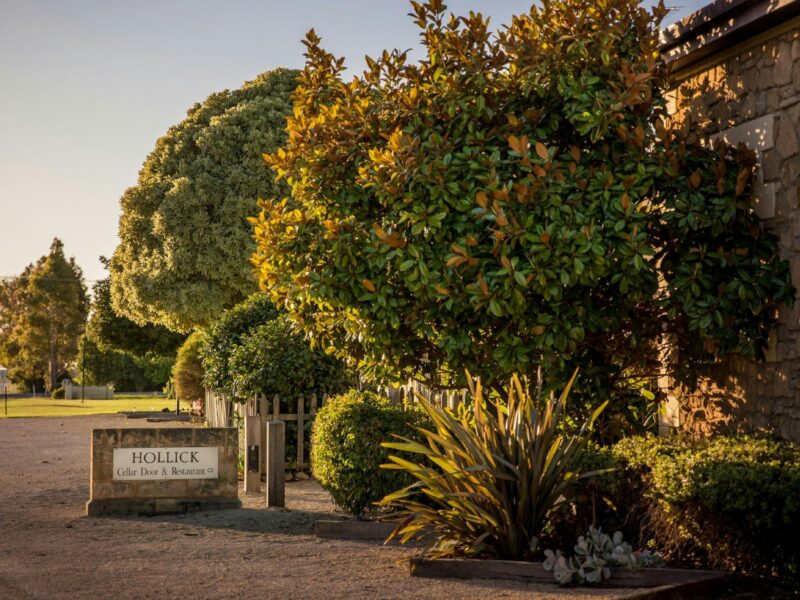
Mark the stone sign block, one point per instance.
(153, 471)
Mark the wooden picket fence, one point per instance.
(221, 411)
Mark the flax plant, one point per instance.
(488, 480)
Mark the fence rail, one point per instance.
(222, 411)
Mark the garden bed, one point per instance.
(535, 573)
(353, 530)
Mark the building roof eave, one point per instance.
(720, 25)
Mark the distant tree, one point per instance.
(112, 332)
(121, 353)
(26, 372)
(107, 366)
(185, 245)
(45, 311)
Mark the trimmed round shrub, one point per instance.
(188, 370)
(346, 452)
(184, 241)
(57, 393)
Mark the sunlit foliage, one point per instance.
(514, 199)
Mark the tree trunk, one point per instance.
(52, 367)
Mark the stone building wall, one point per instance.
(748, 90)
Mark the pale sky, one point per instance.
(87, 86)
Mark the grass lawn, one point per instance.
(47, 407)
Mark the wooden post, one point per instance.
(276, 408)
(313, 405)
(301, 430)
(252, 454)
(276, 475)
(263, 409)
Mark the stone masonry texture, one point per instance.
(761, 80)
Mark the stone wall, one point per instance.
(750, 92)
(109, 495)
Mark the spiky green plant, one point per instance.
(489, 480)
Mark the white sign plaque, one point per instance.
(154, 464)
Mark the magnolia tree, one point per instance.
(184, 239)
(515, 199)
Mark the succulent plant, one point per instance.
(595, 555)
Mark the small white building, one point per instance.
(3, 380)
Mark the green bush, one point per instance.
(226, 333)
(608, 500)
(57, 393)
(273, 359)
(188, 370)
(725, 502)
(346, 452)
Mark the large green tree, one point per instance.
(184, 239)
(45, 315)
(516, 199)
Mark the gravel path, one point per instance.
(49, 549)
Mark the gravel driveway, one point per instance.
(49, 549)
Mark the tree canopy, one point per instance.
(184, 239)
(515, 199)
(25, 371)
(119, 352)
(103, 365)
(111, 332)
(227, 333)
(43, 311)
(253, 349)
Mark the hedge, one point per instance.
(725, 502)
